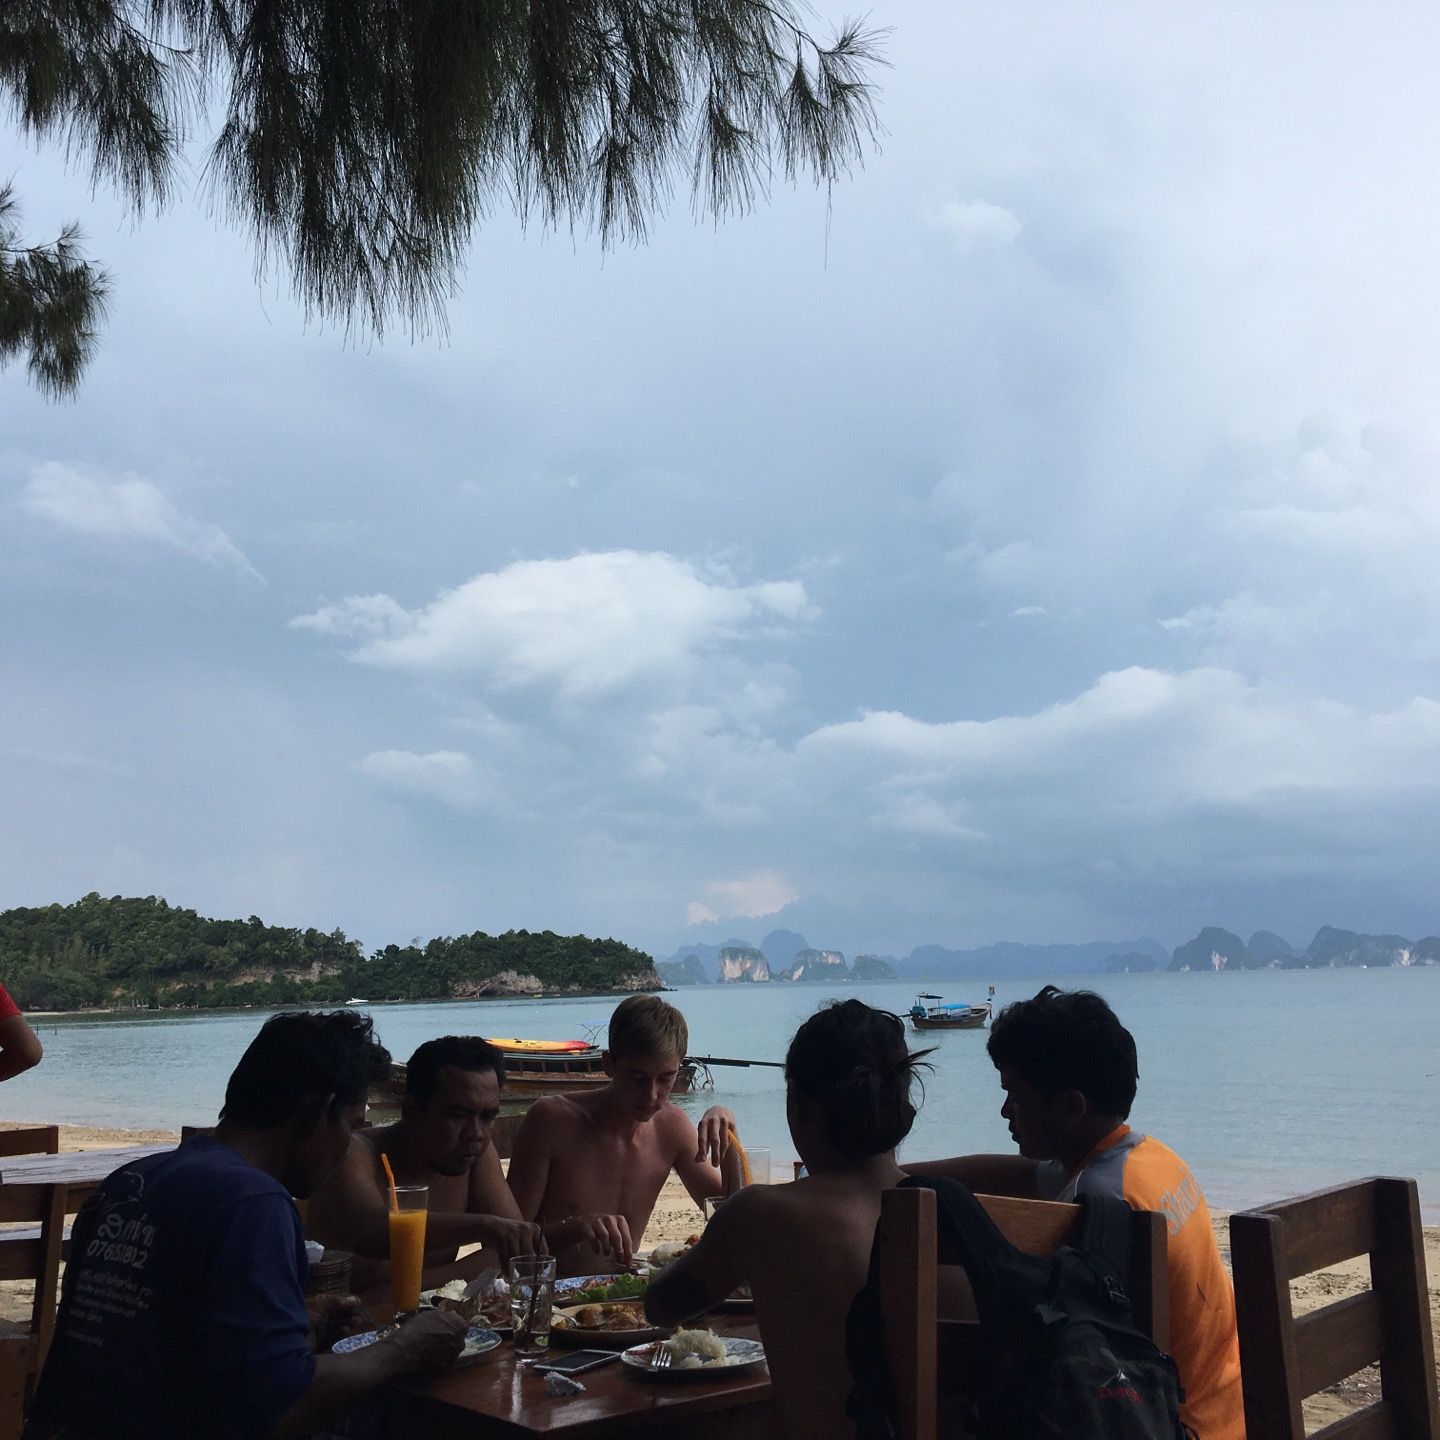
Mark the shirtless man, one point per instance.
(612, 1150)
(804, 1249)
(442, 1139)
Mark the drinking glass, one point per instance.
(532, 1293)
(759, 1158)
(407, 1246)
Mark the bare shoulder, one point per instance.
(675, 1127)
(366, 1147)
(374, 1137)
(758, 1212)
(550, 1115)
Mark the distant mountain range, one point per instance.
(1331, 949)
(782, 956)
(785, 956)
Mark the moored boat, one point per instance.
(542, 1067)
(929, 1012)
(551, 1067)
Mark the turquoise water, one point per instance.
(1268, 1083)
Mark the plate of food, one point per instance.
(599, 1289)
(490, 1308)
(606, 1325)
(694, 1353)
(663, 1255)
(479, 1340)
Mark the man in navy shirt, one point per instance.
(183, 1311)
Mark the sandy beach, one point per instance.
(676, 1217)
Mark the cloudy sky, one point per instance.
(1039, 544)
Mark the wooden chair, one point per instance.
(16, 1256)
(32, 1140)
(911, 1279)
(23, 1348)
(1284, 1359)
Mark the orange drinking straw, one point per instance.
(390, 1176)
(744, 1158)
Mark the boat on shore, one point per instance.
(542, 1067)
(930, 1012)
(551, 1067)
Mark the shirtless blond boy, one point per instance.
(611, 1151)
(442, 1139)
(804, 1249)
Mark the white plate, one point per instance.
(478, 1341)
(744, 1355)
(358, 1342)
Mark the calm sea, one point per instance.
(1268, 1083)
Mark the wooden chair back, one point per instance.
(22, 1351)
(1284, 1359)
(31, 1140)
(911, 1280)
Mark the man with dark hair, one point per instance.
(804, 1249)
(183, 1311)
(1069, 1071)
(442, 1139)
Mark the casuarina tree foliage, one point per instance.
(361, 142)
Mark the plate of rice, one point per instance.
(697, 1352)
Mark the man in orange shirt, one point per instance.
(1069, 1071)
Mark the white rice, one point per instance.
(694, 1349)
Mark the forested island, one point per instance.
(145, 953)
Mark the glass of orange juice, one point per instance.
(407, 1246)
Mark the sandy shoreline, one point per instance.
(676, 1217)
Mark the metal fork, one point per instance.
(660, 1356)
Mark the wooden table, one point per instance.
(80, 1171)
(499, 1399)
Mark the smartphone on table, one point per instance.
(576, 1361)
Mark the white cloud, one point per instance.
(1150, 743)
(750, 898)
(449, 776)
(910, 811)
(367, 617)
(127, 509)
(590, 624)
(976, 224)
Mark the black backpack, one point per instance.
(1061, 1356)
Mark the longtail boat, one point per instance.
(929, 1012)
(542, 1067)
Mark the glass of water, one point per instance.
(532, 1294)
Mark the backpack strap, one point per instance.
(1106, 1231)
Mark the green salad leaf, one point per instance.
(623, 1287)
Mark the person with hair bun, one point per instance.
(804, 1249)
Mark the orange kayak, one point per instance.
(541, 1047)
